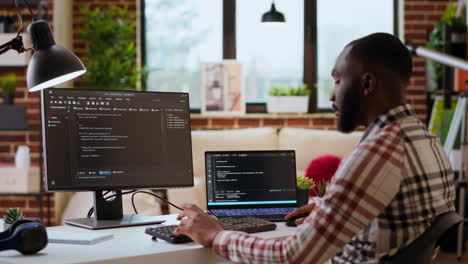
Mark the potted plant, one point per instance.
(8, 86)
(304, 185)
(435, 41)
(287, 99)
(111, 53)
(11, 216)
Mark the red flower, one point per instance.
(322, 169)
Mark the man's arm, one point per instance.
(362, 187)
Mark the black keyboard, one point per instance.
(244, 224)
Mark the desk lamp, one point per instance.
(51, 64)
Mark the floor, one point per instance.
(451, 258)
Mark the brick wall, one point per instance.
(10, 140)
(419, 18)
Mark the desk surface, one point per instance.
(129, 245)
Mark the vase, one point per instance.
(287, 104)
(9, 99)
(302, 197)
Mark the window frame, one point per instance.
(310, 74)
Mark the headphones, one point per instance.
(26, 235)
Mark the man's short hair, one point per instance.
(384, 49)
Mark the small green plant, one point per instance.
(304, 183)
(8, 84)
(12, 215)
(111, 52)
(321, 188)
(435, 42)
(300, 90)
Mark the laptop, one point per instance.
(251, 183)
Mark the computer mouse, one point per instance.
(292, 221)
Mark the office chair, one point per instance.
(421, 250)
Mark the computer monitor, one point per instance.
(97, 140)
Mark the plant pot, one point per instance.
(287, 104)
(6, 226)
(9, 99)
(302, 197)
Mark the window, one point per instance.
(269, 54)
(362, 17)
(181, 35)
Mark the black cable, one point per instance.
(20, 17)
(91, 210)
(157, 196)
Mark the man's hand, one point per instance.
(303, 210)
(198, 225)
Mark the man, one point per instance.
(383, 196)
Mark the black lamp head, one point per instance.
(273, 16)
(51, 64)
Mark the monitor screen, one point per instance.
(111, 140)
(250, 179)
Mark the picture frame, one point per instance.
(221, 88)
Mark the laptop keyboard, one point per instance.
(258, 212)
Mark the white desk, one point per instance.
(129, 245)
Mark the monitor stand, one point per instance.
(109, 214)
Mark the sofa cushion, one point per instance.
(312, 143)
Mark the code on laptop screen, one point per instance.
(251, 178)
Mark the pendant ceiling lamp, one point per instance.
(273, 16)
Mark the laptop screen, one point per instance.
(250, 179)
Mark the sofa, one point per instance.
(308, 144)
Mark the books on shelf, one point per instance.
(77, 237)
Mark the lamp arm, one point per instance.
(437, 56)
(16, 44)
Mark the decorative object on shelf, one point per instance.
(454, 23)
(288, 99)
(8, 87)
(12, 214)
(22, 158)
(12, 116)
(112, 52)
(304, 185)
(20, 181)
(51, 64)
(273, 16)
(221, 88)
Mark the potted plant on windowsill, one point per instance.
(287, 99)
(8, 87)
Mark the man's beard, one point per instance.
(349, 112)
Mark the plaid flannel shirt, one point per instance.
(382, 197)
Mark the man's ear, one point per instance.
(368, 82)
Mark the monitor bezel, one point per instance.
(100, 188)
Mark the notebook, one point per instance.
(251, 183)
(77, 237)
